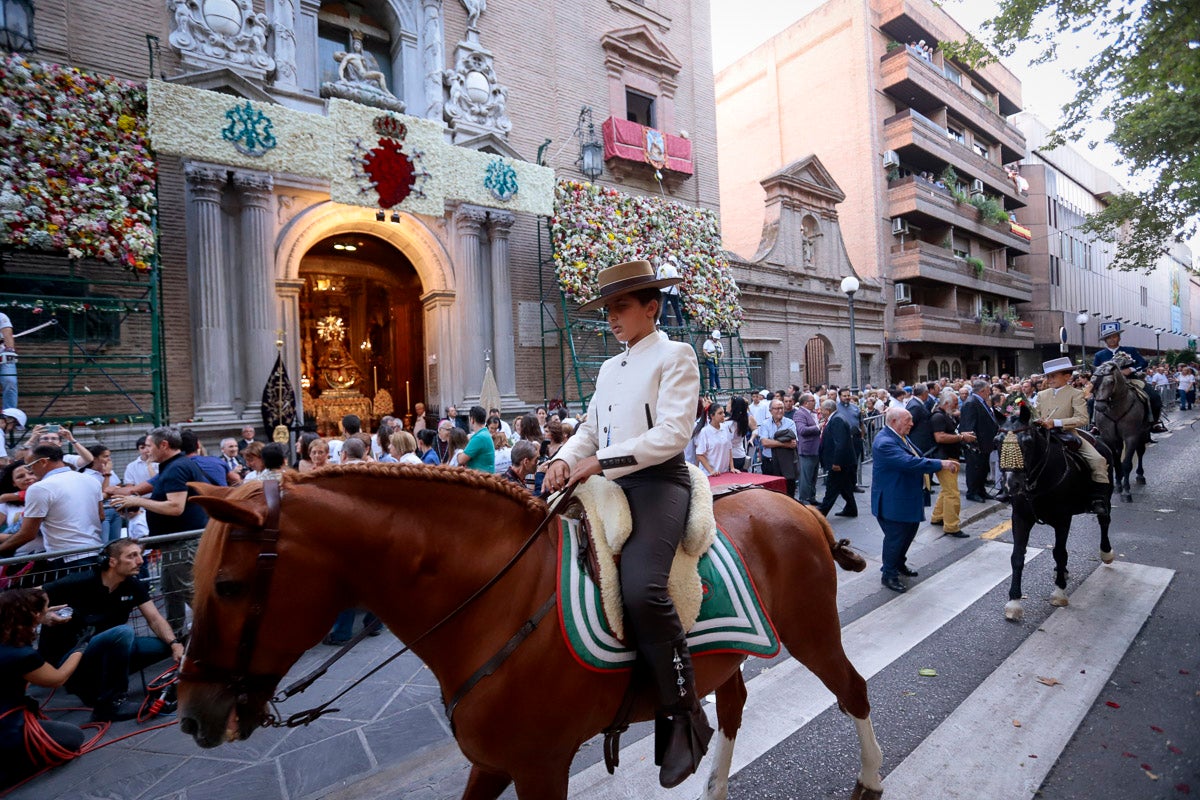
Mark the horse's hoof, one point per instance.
(1059, 598)
(1013, 611)
(1140, 479)
(1107, 558)
(863, 793)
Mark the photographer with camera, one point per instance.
(949, 446)
(101, 600)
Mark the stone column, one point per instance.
(433, 59)
(472, 308)
(288, 304)
(283, 29)
(212, 362)
(442, 386)
(504, 335)
(255, 278)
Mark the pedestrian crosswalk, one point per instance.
(1091, 635)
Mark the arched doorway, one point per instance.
(362, 338)
(816, 362)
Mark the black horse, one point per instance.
(1046, 485)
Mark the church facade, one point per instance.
(366, 187)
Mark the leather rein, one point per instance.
(241, 680)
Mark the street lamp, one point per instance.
(850, 286)
(1082, 320)
(1157, 333)
(591, 151)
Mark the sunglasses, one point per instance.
(31, 464)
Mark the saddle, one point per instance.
(606, 524)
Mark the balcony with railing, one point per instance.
(919, 140)
(921, 84)
(921, 323)
(632, 146)
(912, 20)
(915, 261)
(926, 204)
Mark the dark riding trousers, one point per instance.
(658, 502)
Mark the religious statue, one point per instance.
(360, 79)
(357, 66)
(474, 9)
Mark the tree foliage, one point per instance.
(1146, 82)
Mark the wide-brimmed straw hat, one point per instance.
(624, 278)
(1057, 365)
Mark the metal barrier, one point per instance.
(1169, 394)
(167, 569)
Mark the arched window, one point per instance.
(933, 370)
(816, 361)
(391, 34)
(945, 373)
(956, 370)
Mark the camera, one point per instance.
(65, 613)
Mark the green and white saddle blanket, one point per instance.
(731, 617)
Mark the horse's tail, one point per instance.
(846, 558)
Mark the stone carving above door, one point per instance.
(476, 102)
(211, 34)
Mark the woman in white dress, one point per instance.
(714, 445)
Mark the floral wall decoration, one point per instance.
(595, 227)
(76, 170)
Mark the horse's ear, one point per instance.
(214, 500)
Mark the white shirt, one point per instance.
(411, 458)
(667, 270)
(1158, 379)
(739, 442)
(713, 348)
(137, 471)
(761, 411)
(335, 451)
(13, 513)
(643, 410)
(716, 445)
(68, 503)
(1186, 382)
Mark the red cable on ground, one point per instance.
(41, 748)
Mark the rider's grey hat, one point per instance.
(1057, 365)
(1107, 329)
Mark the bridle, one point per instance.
(241, 681)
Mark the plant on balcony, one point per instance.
(991, 209)
(947, 242)
(893, 173)
(949, 177)
(976, 264)
(893, 45)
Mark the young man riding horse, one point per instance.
(1110, 333)
(639, 420)
(1062, 407)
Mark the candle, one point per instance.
(407, 397)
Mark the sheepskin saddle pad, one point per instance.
(712, 591)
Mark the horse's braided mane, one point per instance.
(467, 478)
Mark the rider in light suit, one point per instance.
(638, 422)
(1064, 407)
(1110, 332)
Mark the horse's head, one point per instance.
(1108, 381)
(262, 597)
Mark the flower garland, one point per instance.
(79, 307)
(594, 227)
(76, 171)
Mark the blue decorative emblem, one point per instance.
(501, 180)
(249, 130)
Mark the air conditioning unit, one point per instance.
(903, 293)
(899, 226)
(977, 186)
(891, 158)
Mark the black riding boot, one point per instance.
(1101, 498)
(681, 729)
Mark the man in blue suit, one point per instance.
(1110, 333)
(897, 492)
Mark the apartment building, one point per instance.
(918, 142)
(1070, 268)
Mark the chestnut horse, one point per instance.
(411, 543)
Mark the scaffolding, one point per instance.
(94, 349)
(584, 342)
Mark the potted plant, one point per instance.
(977, 265)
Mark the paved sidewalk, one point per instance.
(389, 738)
